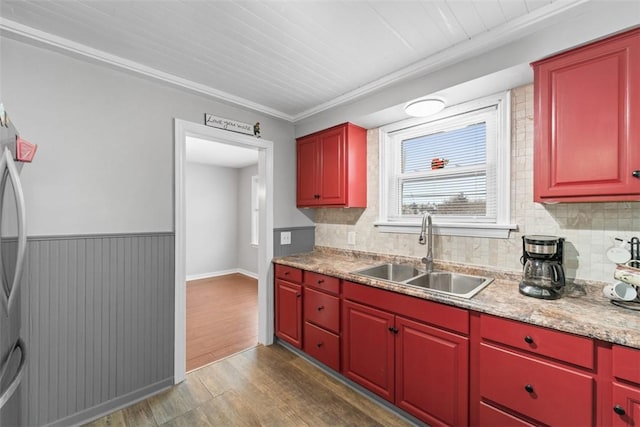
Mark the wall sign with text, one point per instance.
(232, 125)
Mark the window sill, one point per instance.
(493, 231)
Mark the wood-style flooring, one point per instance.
(222, 318)
(262, 386)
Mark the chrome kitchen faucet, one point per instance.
(427, 227)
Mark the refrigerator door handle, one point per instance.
(17, 378)
(10, 173)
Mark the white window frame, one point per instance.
(389, 135)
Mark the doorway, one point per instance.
(184, 129)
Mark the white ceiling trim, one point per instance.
(468, 48)
(471, 47)
(18, 29)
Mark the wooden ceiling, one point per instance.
(289, 59)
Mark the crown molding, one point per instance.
(498, 36)
(17, 30)
(503, 34)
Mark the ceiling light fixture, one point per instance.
(424, 107)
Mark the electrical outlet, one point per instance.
(351, 238)
(285, 238)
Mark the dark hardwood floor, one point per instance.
(262, 386)
(222, 318)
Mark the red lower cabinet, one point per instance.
(545, 392)
(288, 304)
(289, 312)
(421, 368)
(625, 409)
(368, 348)
(447, 366)
(322, 318)
(432, 373)
(524, 375)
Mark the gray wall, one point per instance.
(247, 254)
(105, 166)
(97, 320)
(212, 219)
(302, 240)
(105, 157)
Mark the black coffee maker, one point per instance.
(542, 275)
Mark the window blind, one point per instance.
(459, 147)
(445, 172)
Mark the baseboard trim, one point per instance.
(222, 273)
(248, 273)
(106, 408)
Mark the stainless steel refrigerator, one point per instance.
(13, 245)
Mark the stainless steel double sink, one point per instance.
(461, 285)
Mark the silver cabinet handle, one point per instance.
(10, 173)
(17, 378)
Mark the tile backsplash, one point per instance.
(589, 228)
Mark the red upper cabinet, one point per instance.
(587, 132)
(332, 168)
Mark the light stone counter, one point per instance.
(583, 310)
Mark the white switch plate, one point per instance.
(285, 238)
(351, 237)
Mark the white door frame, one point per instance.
(183, 129)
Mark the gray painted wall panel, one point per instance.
(97, 319)
(302, 240)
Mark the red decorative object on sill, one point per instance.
(438, 163)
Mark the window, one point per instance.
(454, 165)
(255, 209)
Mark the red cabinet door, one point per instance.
(587, 136)
(308, 193)
(626, 405)
(332, 166)
(432, 380)
(368, 348)
(288, 321)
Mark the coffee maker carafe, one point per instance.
(543, 275)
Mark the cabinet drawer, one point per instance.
(546, 342)
(493, 417)
(548, 393)
(322, 345)
(320, 281)
(626, 363)
(322, 309)
(288, 273)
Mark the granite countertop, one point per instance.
(583, 310)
